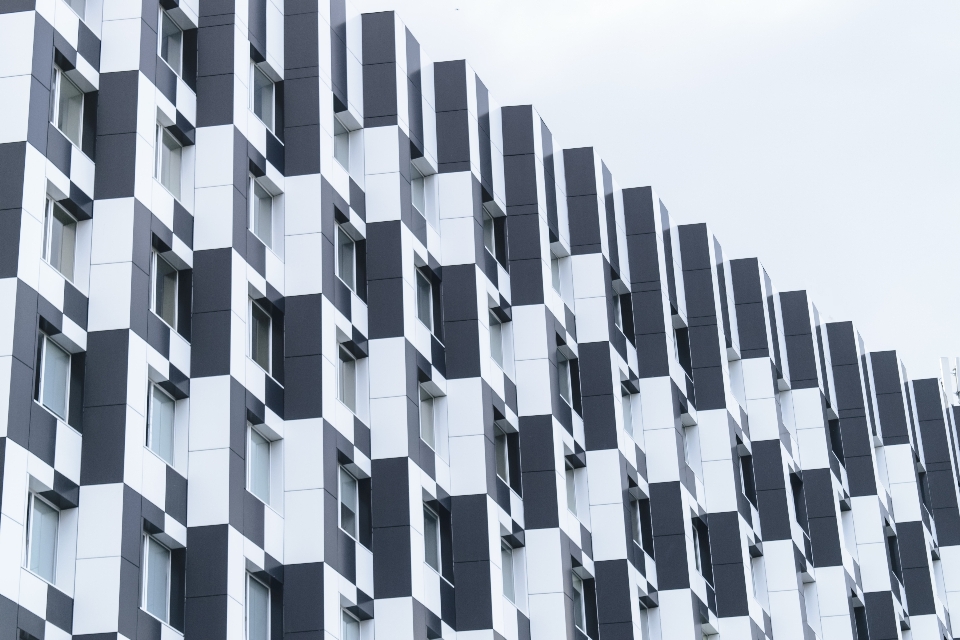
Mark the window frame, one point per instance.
(626, 407)
(344, 617)
(44, 378)
(564, 379)
(418, 185)
(47, 253)
(80, 13)
(428, 406)
(161, 137)
(423, 284)
(151, 413)
(345, 239)
(154, 274)
(32, 497)
(246, 605)
(570, 480)
(617, 311)
(256, 305)
(435, 517)
(355, 509)
(496, 339)
(341, 143)
(145, 573)
(59, 77)
(501, 450)
(556, 275)
(578, 599)
(251, 432)
(346, 361)
(254, 70)
(254, 212)
(489, 233)
(636, 522)
(164, 15)
(506, 556)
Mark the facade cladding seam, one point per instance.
(305, 336)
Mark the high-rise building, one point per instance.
(303, 336)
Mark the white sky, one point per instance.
(822, 137)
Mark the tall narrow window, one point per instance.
(261, 211)
(54, 377)
(424, 300)
(167, 162)
(348, 503)
(627, 404)
(617, 312)
(260, 336)
(59, 239)
(489, 233)
(43, 527)
(67, 106)
(155, 587)
(417, 191)
(431, 538)
(496, 340)
(428, 424)
(171, 42)
(502, 451)
(258, 610)
(341, 143)
(509, 579)
(349, 627)
(570, 475)
(259, 467)
(636, 521)
(346, 258)
(347, 383)
(261, 95)
(160, 425)
(563, 370)
(578, 608)
(696, 548)
(164, 290)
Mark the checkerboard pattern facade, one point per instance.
(303, 336)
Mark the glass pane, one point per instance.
(489, 234)
(68, 241)
(503, 461)
(563, 369)
(258, 610)
(69, 109)
(431, 539)
(496, 340)
(555, 273)
(627, 412)
(617, 313)
(424, 306)
(578, 602)
(348, 381)
(170, 164)
(260, 347)
(349, 628)
(262, 214)
(263, 97)
(348, 502)
(635, 521)
(79, 6)
(158, 572)
(170, 42)
(259, 466)
(43, 539)
(341, 144)
(418, 194)
(47, 219)
(571, 490)
(56, 369)
(165, 291)
(345, 258)
(506, 562)
(161, 425)
(427, 427)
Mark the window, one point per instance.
(636, 521)
(341, 143)
(747, 480)
(348, 503)
(261, 95)
(349, 627)
(417, 191)
(424, 300)
(563, 369)
(171, 42)
(489, 233)
(428, 423)
(79, 6)
(261, 211)
(258, 455)
(260, 336)
(555, 272)
(155, 586)
(431, 538)
(160, 425)
(346, 259)
(509, 580)
(502, 451)
(167, 162)
(347, 383)
(496, 339)
(43, 525)
(54, 377)
(696, 548)
(258, 609)
(626, 401)
(578, 617)
(59, 239)
(164, 290)
(571, 478)
(67, 106)
(617, 312)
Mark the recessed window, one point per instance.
(347, 383)
(261, 211)
(260, 322)
(578, 608)
(555, 272)
(417, 191)
(79, 6)
(349, 627)
(54, 376)
(59, 239)
(160, 426)
(617, 312)
(346, 259)
(570, 475)
(563, 371)
(431, 538)
(627, 404)
(67, 106)
(509, 576)
(164, 290)
(168, 160)
(259, 465)
(171, 42)
(636, 522)
(502, 450)
(489, 233)
(43, 528)
(424, 300)
(341, 143)
(496, 339)
(261, 95)
(348, 503)
(155, 587)
(258, 609)
(428, 423)
(696, 547)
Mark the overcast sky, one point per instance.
(822, 137)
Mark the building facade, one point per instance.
(303, 336)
